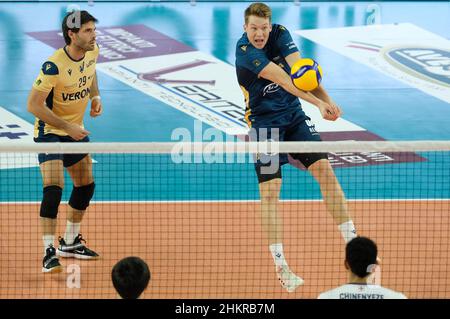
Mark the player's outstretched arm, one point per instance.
(320, 92)
(276, 74)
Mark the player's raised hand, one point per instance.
(96, 107)
(76, 132)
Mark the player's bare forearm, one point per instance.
(277, 75)
(36, 105)
(46, 115)
(321, 94)
(333, 111)
(96, 104)
(94, 87)
(274, 73)
(305, 96)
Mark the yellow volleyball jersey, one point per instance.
(68, 83)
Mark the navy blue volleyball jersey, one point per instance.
(265, 101)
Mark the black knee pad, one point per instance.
(50, 201)
(81, 196)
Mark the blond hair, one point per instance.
(258, 9)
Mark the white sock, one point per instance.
(72, 230)
(348, 230)
(277, 254)
(48, 240)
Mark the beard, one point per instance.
(86, 46)
(89, 47)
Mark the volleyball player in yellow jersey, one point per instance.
(58, 99)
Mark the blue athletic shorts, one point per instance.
(68, 159)
(293, 127)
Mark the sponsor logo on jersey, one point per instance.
(76, 96)
(90, 63)
(256, 63)
(271, 88)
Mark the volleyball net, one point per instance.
(193, 212)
